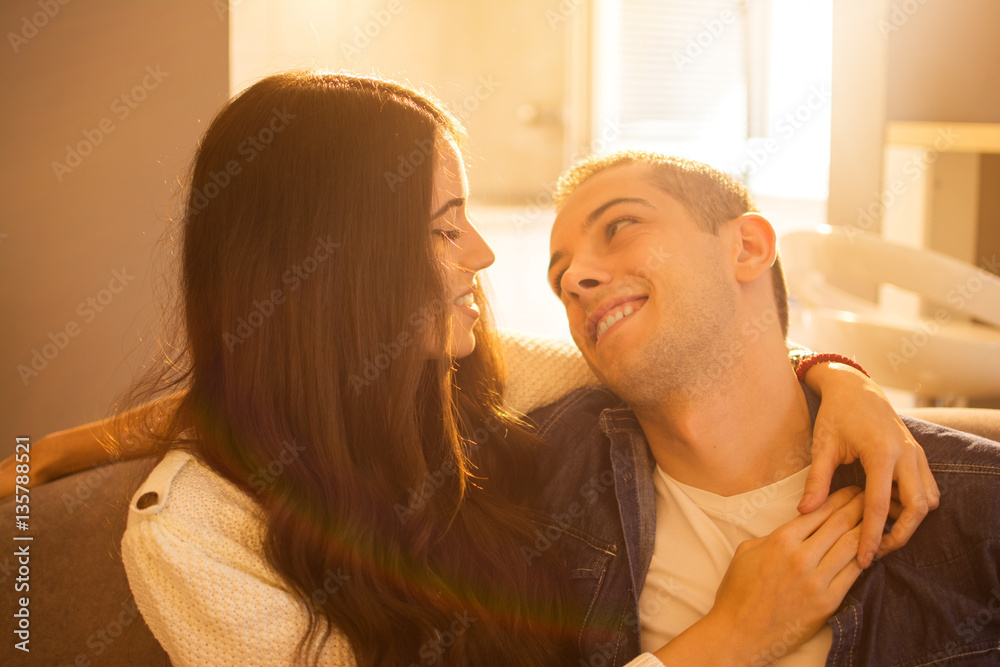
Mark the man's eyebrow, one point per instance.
(595, 214)
(457, 202)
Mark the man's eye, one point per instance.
(616, 226)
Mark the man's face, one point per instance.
(649, 295)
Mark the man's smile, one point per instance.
(612, 311)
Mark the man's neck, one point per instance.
(751, 429)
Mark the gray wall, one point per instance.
(905, 60)
(958, 80)
(944, 62)
(87, 230)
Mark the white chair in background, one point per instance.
(950, 350)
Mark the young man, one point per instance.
(666, 270)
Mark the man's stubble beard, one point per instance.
(675, 362)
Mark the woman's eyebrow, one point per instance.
(457, 202)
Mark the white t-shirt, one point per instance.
(697, 533)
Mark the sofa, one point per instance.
(81, 611)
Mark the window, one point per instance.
(742, 85)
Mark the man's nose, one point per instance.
(583, 276)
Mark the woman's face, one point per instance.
(461, 249)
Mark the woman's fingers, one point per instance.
(930, 484)
(821, 546)
(802, 526)
(826, 458)
(797, 574)
(916, 499)
(843, 554)
(879, 471)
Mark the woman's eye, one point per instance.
(557, 283)
(452, 235)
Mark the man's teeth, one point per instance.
(465, 300)
(611, 319)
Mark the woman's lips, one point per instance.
(467, 304)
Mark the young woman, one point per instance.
(393, 533)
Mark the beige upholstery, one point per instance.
(982, 422)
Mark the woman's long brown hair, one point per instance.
(394, 486)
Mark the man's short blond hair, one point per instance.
(711, 197)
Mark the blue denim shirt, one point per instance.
(935, 601)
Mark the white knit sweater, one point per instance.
(194, 551)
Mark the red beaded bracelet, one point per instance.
(807, 362)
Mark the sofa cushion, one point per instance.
(978, 421)
(80, 607)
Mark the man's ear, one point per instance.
(756, 246)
